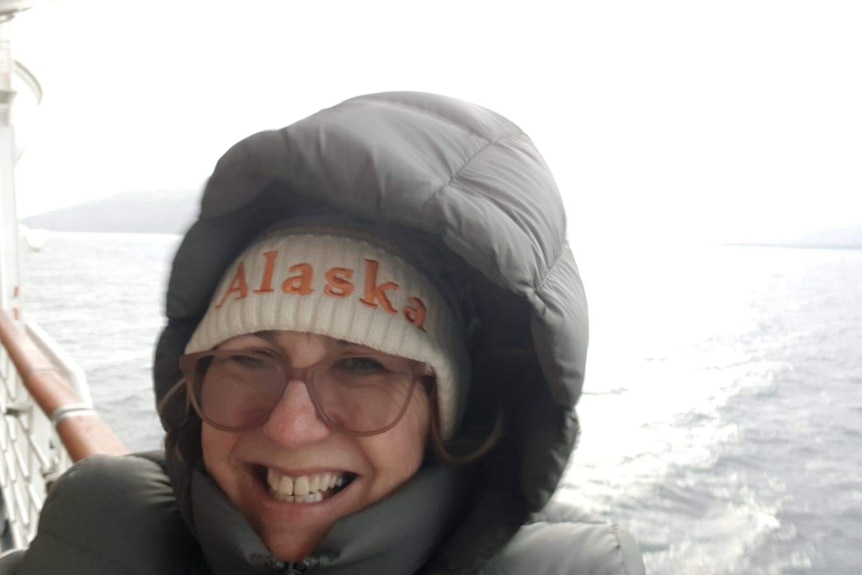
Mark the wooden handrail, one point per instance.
(83, 433)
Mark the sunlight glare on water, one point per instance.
(698, 403)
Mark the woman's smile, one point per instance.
(312, 488)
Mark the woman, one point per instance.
(376, 339)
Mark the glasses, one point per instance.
(361, 394)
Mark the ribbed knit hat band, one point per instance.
(341, 286)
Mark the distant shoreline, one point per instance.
(144, 212)
(174, 211)
(795, 246)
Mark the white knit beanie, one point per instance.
(347, 286)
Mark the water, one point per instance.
(722, 417)
(722, 412)
(100, 296)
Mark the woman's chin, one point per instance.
(293, 529)
(294, 546)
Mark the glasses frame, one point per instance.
(189, 362)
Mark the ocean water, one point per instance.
(722, 415)
(100, 296)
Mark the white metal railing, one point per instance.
(32, 455)
(48, 423)
(48, 419)
(64, 363)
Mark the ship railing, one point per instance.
(48, 424)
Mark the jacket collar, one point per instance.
(397, 535)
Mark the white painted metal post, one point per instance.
(27, 431)
(9, 255)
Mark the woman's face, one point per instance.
(294, 450)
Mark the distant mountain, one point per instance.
(173, 211)
(159, 211)
(846, 238)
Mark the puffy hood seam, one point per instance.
(468, 161)
(386, 103)
(540, 287)
(453, 181)
(544, 316)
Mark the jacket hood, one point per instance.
(463, 176)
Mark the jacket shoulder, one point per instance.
(560, 540)
(110, 515)
(10, 561)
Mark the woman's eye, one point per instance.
(360, 365)
(247, 361)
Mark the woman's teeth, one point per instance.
(302, 489)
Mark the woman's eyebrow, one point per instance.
(270, 336)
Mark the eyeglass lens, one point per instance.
(239, 390)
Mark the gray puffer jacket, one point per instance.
(462, 176)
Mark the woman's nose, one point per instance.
(294, 420)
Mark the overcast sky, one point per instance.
(685, 121)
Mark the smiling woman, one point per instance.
(305, 420)
(376, 340)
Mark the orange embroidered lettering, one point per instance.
(416, 312)
(268, 270)
(299, 284)
(376, 293)
(238, 286)
(338, 282)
